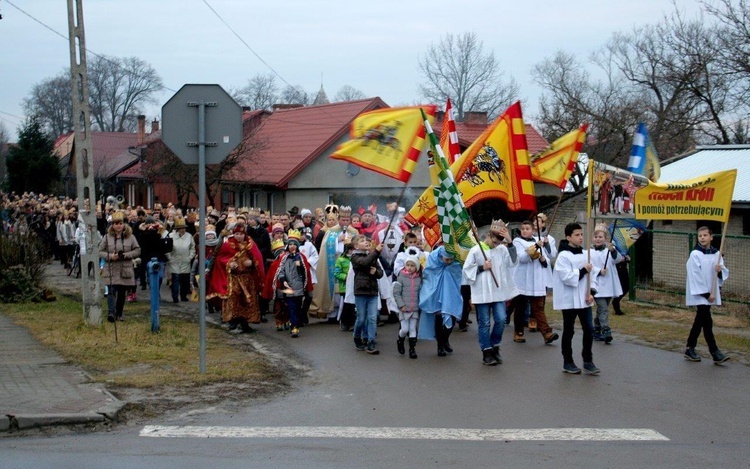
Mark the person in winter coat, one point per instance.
(406, 294)
(347, 315)
(294, 274)
(180, 259)
(155, 243)
(364, 263)
(118, 248)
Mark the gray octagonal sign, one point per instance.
(222, 118)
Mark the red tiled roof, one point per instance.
(111, 151)
(295, 137)
(534, 140)
(467, 133)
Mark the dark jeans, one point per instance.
(180, 286)
(704, 322)
(537, 312)
(294, 304)
(466, 295)
(569, 322)
(116, 299)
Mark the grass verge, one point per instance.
(139, 358)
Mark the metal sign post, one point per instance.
(216, 138)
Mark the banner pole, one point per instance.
(715, 285)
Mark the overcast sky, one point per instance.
(372, 46)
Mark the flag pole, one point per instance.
(479, 243)
(398, 204)
(715, 284)
(554, 214)
(588, 224)
(611, 240)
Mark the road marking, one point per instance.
(466, 434)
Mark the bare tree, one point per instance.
(457, 68)
(4, 139)
(118, 88)
(260, 92)
(733, 35)
(348, 93)
(50, 101)
(572, 97)
(295, 95)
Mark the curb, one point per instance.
(26, 421)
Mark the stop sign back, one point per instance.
(223, 123)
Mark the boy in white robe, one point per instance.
(702, 290)
(573, 295)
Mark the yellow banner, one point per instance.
(706, 197)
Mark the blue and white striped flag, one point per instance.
(643, 157)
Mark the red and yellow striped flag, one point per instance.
(449, 136)
(387, 141)
(556, 164)
(496, 165)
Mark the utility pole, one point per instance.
(90, 288)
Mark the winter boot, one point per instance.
(691, 355)
(400, 345)
(487, 357)
(597, 333)
(412, 344)
(446, 336)
(496, 354)
(358, 343)
(616, 307)
(718, 357)
(607, 335)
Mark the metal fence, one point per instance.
(662, 280)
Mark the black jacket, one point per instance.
(366, 283)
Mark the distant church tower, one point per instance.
(321, 97)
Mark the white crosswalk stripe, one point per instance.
(466, 434)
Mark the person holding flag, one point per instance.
(703, 266)
(488, 268)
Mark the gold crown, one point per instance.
(295, 235)
(497, 225)
(332, 208)
(277, 244)
(345, 211)
(601, 227)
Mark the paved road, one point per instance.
(700, 409)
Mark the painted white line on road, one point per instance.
(467, 434)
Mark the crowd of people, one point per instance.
(357, 269)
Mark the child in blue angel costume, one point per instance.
(440, 299)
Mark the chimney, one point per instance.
(154, 126)
(475, 118)
(439, 115)
(141, 129)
